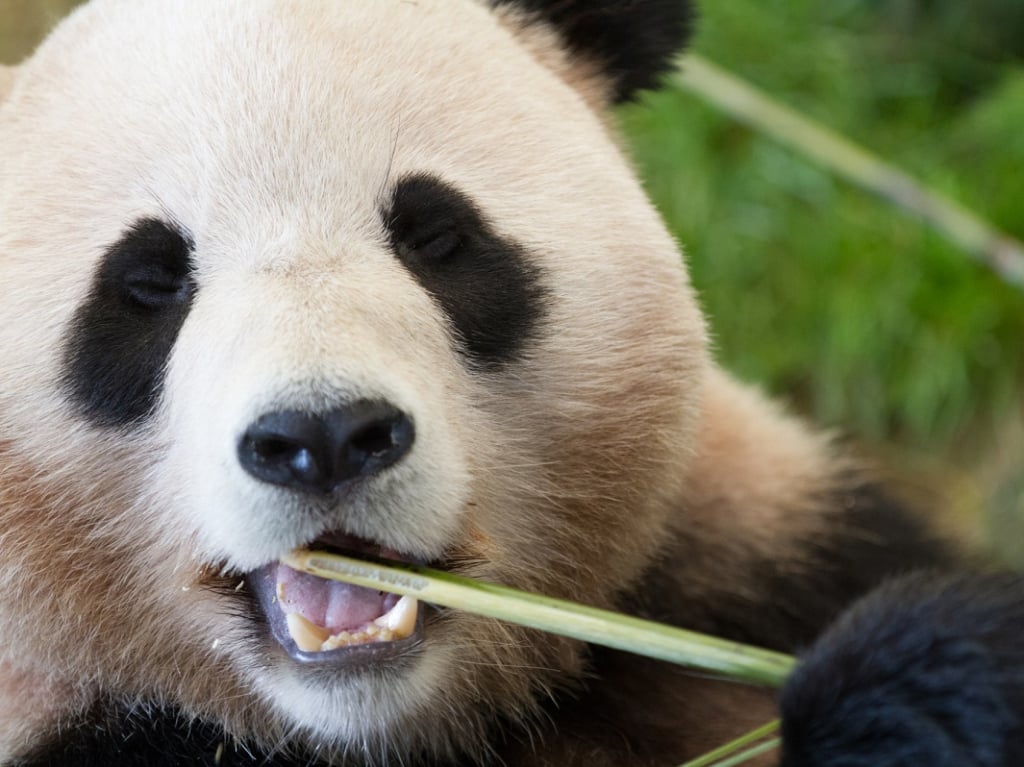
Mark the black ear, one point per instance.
(632, 40)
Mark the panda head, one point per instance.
(371, 276)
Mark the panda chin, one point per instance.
(320, 621)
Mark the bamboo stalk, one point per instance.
(713, 758)
(589, 624)
(984, 242)
(746, 756)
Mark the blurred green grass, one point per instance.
(863, 318)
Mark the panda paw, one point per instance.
(924, 671)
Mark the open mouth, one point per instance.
(326, 621)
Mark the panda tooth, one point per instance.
(307, 636)
(335, 641)
(400, 620)
(397, 623)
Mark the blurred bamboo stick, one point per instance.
(742, 749)
(987, 244)
(745, 756)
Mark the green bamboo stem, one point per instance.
(984, 242)
(712, 758)
(750, 753)
(589, 624)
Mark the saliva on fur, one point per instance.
(376, 276)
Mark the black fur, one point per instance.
(120, 338)
(633, 40)
(113, 735)
(925, 671)
(484, 282)
(150, 737)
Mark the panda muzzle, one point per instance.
(315, 619)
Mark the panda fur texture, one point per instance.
(377, 275)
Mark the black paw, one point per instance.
(927, 671)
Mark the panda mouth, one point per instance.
(316, 620)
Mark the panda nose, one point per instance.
(317, 453)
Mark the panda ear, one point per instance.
(6, 81)
(631, 42)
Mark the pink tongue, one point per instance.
(332, 605)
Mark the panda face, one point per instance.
(372, 276)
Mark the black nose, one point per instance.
(319, 452)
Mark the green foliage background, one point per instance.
(863, 318)
(866, 317)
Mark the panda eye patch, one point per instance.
(123, 332)
(487, 284)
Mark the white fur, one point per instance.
(270, 132)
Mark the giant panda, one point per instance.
(377, 277)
